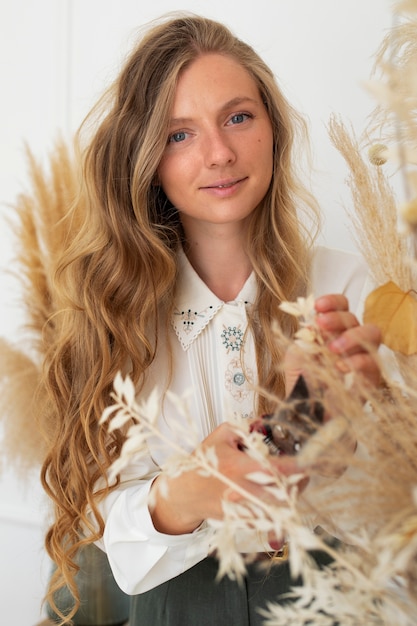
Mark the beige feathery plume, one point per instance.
(395, 116)
(375, 212)
(19, 377)
(42, 234)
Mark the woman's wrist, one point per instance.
(169, 516)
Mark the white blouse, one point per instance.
(208, 341)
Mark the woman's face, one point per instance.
(218, 162)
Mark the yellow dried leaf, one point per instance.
(394, 311)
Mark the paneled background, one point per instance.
(55, 58)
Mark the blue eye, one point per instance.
(177, 137)
(238, 118)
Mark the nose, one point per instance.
(218, 149)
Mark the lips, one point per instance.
(224, 184)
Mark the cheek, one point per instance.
(173, 180)
(266, 158)
(163, 172)
(173, 171)
(265, 150)
(166, 175)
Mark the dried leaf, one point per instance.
(394, 311)
(261, 478)
(129, 390)
(118, 384)
(122, 417)
(108, 411)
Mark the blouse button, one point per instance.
(239, 378)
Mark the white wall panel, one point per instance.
(33, 103)
(24, 565)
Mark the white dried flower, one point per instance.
(308, 336)
(302, 307)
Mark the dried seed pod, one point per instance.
(376, 154)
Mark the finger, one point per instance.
(265, 489)
(331, 302)
(336, 322)
(225, 434)
(362, 363)
(285, 465)
(357, 339)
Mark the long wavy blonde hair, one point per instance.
(116, 277)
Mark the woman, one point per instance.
(191, 238)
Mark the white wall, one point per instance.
(57, 55)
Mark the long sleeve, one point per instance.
(337, 271)
(140, 557)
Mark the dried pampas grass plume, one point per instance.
(395, 115)
(375, 212)
(19, 377)
(41, 234)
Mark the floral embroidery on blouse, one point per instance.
(190, 317)
(232, 338)
(237, 382)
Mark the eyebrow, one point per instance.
(237, 101)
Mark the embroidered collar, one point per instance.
(196, 305)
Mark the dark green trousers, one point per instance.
(195, 598)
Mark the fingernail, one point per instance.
(337, 345)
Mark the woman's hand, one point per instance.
(191, 498)
(354, 344)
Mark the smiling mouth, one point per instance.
(225, 185)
